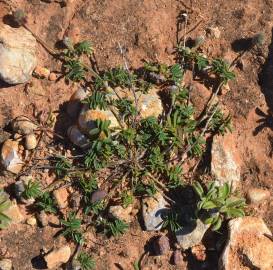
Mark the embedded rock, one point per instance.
(225, 162)
(13, 212)
(98, 195)
(248, 246)
(30, 141)
(74, 104)
(153, 209)
(5, 264)
(17, 54)
(58, 257)
(162, 245)
(191, 234)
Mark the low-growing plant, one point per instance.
(216, 204)
(171, 221)
(72, 228)
(32, 190)
(45, 202)
(86, 262)
(62, 166)
(5, 203)
(116, 227)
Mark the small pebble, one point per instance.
(32, 221)
(162, 245)
(214, 32)
(23, 125)
(61, 197)
(98, 195)
(52, 76)
(30, 141)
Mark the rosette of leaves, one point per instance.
(217, 204)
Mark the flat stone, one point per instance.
(153, 208)
(225, 161)
(257, 195)
(77, 137)
(17, 54)
(98, 195)
(247, 247)
(5, 264)
(191, 234)
(57, 257)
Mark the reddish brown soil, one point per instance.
(148, 30)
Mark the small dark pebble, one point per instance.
(162, 245)
(98, 195)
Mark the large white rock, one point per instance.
(17, 54)
(248, 247)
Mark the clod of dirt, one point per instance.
(162, 245)
(57, 257)
(248, 247)
(10, 158)
(98, 195)
(77, 138)
(17, 54)
(61, 197)
(117, 211)
(23, 125)
(5, 264)
(257, 195)
(214, 32)
(191, 234)
(30, 141)
(153, 209)
(74, 104)
(13, 212)
(225, 162)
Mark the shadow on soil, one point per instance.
(266, 83)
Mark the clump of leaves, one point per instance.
(117, 227)
(5, 203)
(32, 190)
(217, 203)
(126, 198)
(220, 123)
(222, 69)
(45, 202)
(62, 166)
(86, 262)
(171, 221)
(72, 228)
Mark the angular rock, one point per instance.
(191, 234)
(5, 264)
(41, 72)
(225, 161)
(153, 209)
(23, 125)
(214, 32)
(17, 54)
(61, 197)
(257, 195)
(74, 104)
(13, 212)
(117, 211)
(77, 138)
(10, 158)
(30, 141)
(162, 245)
(58, 257)
(247, 247)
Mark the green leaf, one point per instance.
(198, 189)
(234, 213)
(209, 205)
(224, 191)
(234, 202)
(217, 225)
